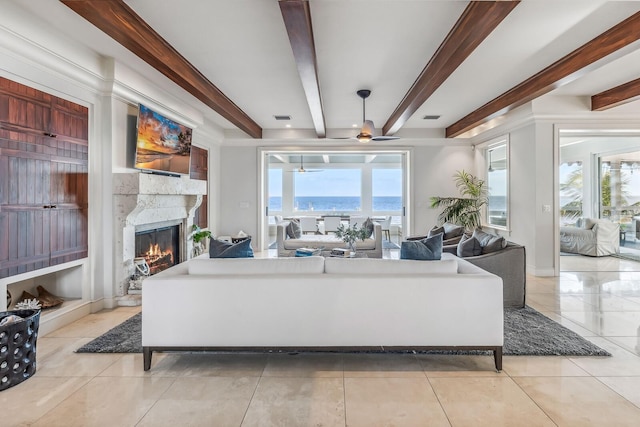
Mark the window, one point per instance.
(275, 190)
(386, 190)
(497, 157)
(332, 190)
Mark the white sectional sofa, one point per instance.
(313, 302)
(287, 246)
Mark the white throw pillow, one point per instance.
(390, 266)
(257, 266)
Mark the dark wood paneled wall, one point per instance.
(43, 179)
(199, 170)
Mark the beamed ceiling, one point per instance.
(242, 62)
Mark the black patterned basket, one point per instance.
(18, 347)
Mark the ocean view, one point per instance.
(337, 204)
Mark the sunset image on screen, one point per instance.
(162, 144)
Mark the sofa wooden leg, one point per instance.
(146, 351)
(497, 356)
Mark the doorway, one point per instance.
(303, 183)
(599, 178)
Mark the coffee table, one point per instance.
(356, 255)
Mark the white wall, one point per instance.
(432, 169)
(238, 208)
(531, 188)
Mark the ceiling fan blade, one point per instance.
(384, 138)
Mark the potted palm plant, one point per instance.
(467, 209)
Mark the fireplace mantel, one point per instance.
(154, 184)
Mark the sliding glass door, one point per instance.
(619, 197)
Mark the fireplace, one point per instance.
(144, 202)
(160, 247)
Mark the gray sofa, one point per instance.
(508, 263)
(592, 237)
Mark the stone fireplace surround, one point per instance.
(143, 201)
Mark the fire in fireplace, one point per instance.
(160, 247)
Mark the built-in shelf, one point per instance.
(65, 280)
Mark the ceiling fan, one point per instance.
(301, 169)
(366, 133)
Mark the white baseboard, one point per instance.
(541, 272)
(68, 313)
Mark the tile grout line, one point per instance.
(344, 391)
(435, 393)
(532, 399)
(254, 391)
(157, 400)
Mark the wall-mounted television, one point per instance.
(162, 145)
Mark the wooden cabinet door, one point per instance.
(69, 181)
(43, 180)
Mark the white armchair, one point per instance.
(331, 224)
(593, 237)
(386, 227)
(308, 224)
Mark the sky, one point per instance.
(338, 183)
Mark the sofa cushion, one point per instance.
(468, 246)
(257, 266)
(588, 223)
(293, 229)
(359, 266)
(489, 242)
(452, 230)
(368, 225)
(496, 243)
(220, 249)
(435, 231)
(429, 249)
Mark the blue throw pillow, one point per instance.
(429, 249)
(220, 249)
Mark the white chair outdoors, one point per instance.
(386, 226)
(331, 224)
(356, 220)
(308, 224)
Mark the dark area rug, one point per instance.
(124, 338)
(526, 333)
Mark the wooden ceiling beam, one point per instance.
(122, 24)
(477, 21)
(619, 95)
(297, 19)
(561, 72)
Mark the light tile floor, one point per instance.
(72, 389)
